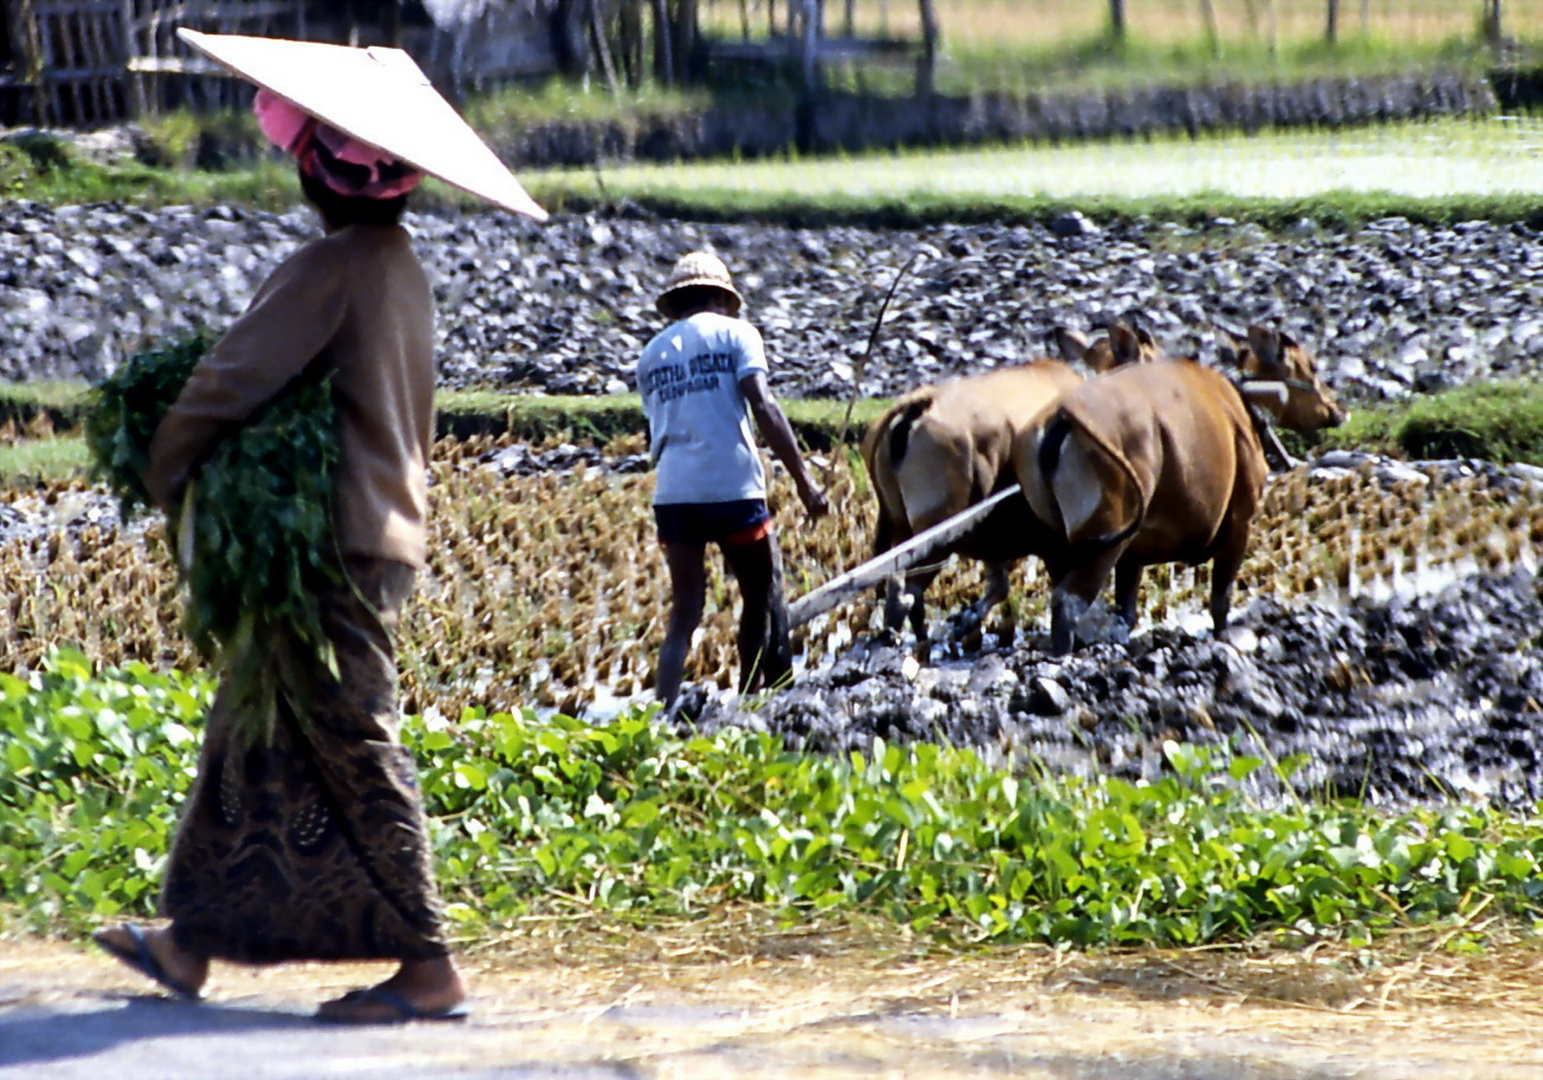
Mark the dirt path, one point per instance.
(794, 1007)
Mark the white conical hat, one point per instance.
(379, 96)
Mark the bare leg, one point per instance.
(765, 658)
(688, 586)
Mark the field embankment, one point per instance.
(1494, 422)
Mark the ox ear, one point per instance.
(1268, 345)
(1071, 344)
(1125, 343)
(1287, 344)
(1149, 349)
(1230, 346)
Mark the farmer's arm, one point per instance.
(778, 433)
(294, 316)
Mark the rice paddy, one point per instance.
(549, 590)
(1426, 160)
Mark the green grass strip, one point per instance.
(1338, 211)
(1499, 421)
(53, 413)
(1492, 421)
(530, 813)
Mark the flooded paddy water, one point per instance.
(1491, 155)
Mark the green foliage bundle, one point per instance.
(255, 533)
(529, 813)
(127, 407)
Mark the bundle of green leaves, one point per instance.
(255, 534)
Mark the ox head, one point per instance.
(1123, 345)
(1281, 377)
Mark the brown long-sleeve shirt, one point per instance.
(358, 302)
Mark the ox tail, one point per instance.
(1070, 484)
(884, 449)
(900, 429)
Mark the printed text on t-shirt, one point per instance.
(671, 381)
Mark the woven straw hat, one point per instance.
(378, 96)
(697, 268)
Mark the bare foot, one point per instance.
(154, 954)
(420, 990)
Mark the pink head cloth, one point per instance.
(316, 146)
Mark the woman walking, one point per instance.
(313, 845)
(701, 379)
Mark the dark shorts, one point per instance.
(743, 521)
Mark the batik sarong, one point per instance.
(313, 846)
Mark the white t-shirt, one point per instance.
(698, 419)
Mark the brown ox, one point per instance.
(941, 449)
(1160, 463)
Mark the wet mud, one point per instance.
(1411, 699)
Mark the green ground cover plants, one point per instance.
(536, 814)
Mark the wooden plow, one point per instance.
(895, 561)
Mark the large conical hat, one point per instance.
(379, 96)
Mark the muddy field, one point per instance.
(1388, 642)
(1392, 309)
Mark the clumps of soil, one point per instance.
(1414, 699)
